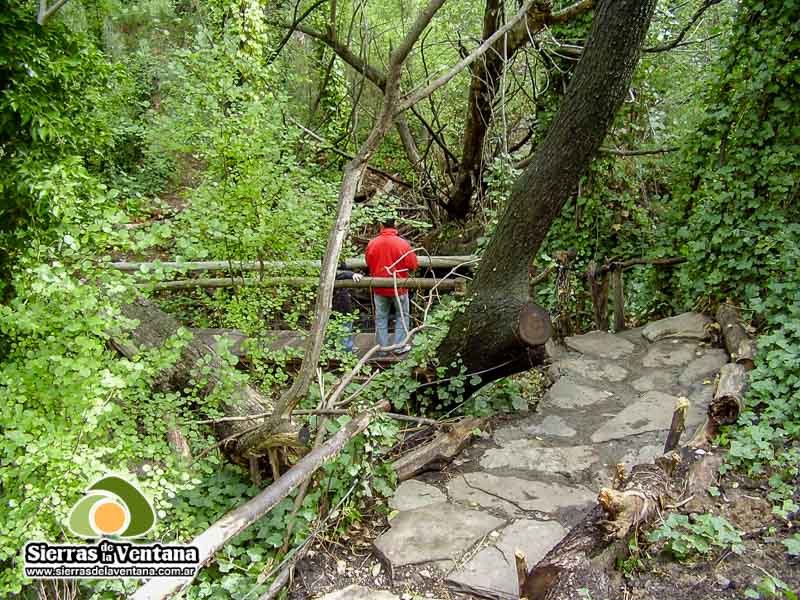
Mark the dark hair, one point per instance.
(387, 221)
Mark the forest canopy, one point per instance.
(541, 141)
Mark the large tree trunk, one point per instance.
(153, 330)
(487, 333)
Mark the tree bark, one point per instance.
(415, 283)
(739, 345)
(585, 557)
(439, 451)
(433, 262)
(486, 334)
(728, 400)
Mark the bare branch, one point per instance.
(344, 154)
(411, 99)
(292, 28)
(374, 74)
(677, 41)
(45, 13)
(619, 152)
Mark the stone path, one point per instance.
(524, 486)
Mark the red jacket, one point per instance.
(388, 255)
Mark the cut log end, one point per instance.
(534, 324)
(728, 399)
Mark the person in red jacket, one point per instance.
(389, 255)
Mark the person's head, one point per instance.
(387, 223)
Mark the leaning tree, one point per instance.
(501, 330)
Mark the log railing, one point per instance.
(600, 277)
(415, 283)
(433, 262)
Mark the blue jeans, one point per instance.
(383, 308)
(347, 342)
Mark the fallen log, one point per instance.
(739, 344)
(585, 557)
(443, 448)
(728, 399)
(154, 327)
(215, 537)
(433, 262)
(416, 283)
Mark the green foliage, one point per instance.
(685, 537)
(792, 544)
(738, 196)
(60, 97)
(771, 587)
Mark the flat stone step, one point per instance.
(513, 496)
(533, 455)
(359, 592)
(413, 494)
(492, 572)
(567, 393)
(588, 368)
(652, 412)
(689, 325)
(600, 344)
(546, 427)
(668, 354)
(437, 532)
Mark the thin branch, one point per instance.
(45, 13)
(322, 411)
(371, 72)
(293, 27)
(348, 155)
(695, 17)
(620, 152)
(411, 99)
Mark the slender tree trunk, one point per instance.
(487, 333)
(486, 79)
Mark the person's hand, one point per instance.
(357, 277)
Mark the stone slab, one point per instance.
(642, 455)
(513, 496)
(492, 573)
(705, 367)
(531, 455)
(655, 380)
(652, 412)
(550, 426)
(566, 393)
(591, 369)
(433, 533)
(689, 325)
(413, 494)
(667, 354)
(600, 344)
(359, 592)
